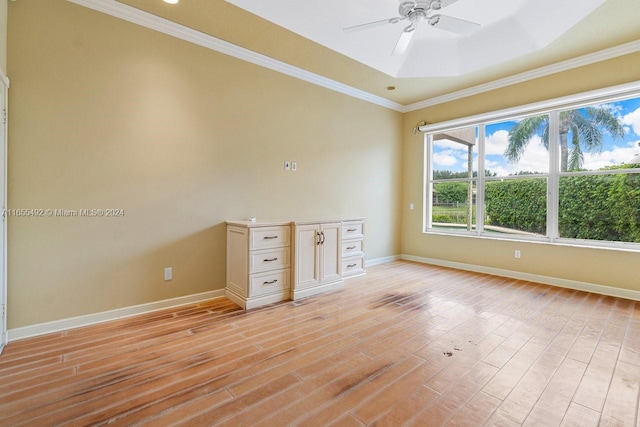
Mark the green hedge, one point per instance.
(451, 192)
(517, 204)
(600, 207)
(595, 207)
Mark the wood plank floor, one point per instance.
(407, 344)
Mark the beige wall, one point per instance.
(106, 114)
(3, 36)
(597, 266)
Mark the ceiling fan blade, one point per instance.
(404, 40)
(455, 25)
(371, 25)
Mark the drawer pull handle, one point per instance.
(351, 265)
(350, 247)
(349, 230)
(270, 283)
(270, 237)
(271, 260)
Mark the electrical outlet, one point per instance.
(287, 165)
(411, 206)
(294, 166)
(517, 254)
(168, 274)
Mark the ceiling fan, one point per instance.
(416, 11)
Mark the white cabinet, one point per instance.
(317, 265)
(352, 248)
(274, 261)
(258, 263)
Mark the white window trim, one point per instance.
(552, 108)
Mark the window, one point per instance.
(454, 172)
(566, 171)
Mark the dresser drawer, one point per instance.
(269, 237)
(272, 282)
(269, 259)
(353, 266)
(352, 247)
(352, 230)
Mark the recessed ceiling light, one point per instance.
(171, 1)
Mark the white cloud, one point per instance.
(497, 168)
(496, 143)
(612, 108)
(451, 145)
(444, 158)
(534, 159)
(615, 156)
(633, 120)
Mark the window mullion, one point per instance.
(554, 172)
(480, 181)
(427, 192)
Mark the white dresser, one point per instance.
(271, 261)
(258, 262)
(352, 248)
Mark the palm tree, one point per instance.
(585, 126)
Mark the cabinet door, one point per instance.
(307, 272)
(330, 252)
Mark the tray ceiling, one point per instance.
(516, 38)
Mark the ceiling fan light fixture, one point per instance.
(416, 11)
(171, 1)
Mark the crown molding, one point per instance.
(153, 22)
(156, 23)
(581, 61)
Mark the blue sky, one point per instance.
(452, 156)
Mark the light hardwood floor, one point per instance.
(407, 344)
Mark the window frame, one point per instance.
(551, 108)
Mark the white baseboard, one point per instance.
(91, 319)
(307, 292)
(383, 260)
(105, 316)
(553, 281)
